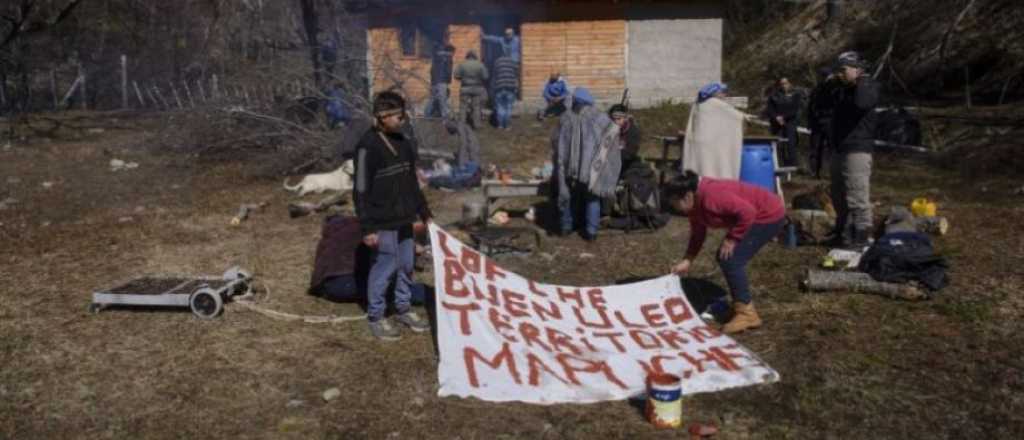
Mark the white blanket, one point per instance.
(713, 145)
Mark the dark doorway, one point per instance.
(496, 25)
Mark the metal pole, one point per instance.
(53, 90)
(81, 74)
(124, 81)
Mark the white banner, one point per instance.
(505, 338)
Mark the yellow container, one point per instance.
(923, 207)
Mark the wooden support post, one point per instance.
(161, 96)
(74, 86)
(53, 89)
(967, 85)
(82, 91)
(142, 102)
(124, 81)
(202, 91)
(188, 92)
(156, 104)
(176, 97)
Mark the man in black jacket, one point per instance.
(784, 114)
(853, 132)
(388, 201)
(440, 78)
(820, 107)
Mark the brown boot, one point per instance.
(744, 317)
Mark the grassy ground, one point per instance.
(852, 366)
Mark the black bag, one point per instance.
(639, 200)
(896, 125)
(901, 257)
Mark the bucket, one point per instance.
(664, 401)
(473, 212)
(922, 207)
(757, 164)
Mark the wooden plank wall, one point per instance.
(589, 53)
(412, 74)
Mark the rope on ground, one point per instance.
(248, 302)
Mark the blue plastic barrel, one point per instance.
(756, 165)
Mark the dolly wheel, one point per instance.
(205, 303)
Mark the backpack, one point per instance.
(900, 257)
(639, 200)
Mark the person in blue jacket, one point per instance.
(556, 95)
(511, 46)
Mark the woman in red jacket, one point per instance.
(752, 216)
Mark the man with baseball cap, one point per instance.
(853, 132)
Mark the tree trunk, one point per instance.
(310, 25)
(860, 282)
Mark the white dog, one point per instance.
(337, 180)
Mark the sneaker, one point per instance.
(413, 321)
(383, 330)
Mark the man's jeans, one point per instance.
(503, 101)
(735, 268)
(438, 104)
(394, 255)
(851, 190)
(580, 199)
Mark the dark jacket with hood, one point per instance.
(441, 64)
(855, 120)
(387, 193)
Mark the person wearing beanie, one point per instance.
(853, 134)
(473, 75)
(556, 96)
(388, 200)
(587, 163)
(629, 135)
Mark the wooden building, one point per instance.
(660, 50)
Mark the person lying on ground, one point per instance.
(752, 216)
(388, 200)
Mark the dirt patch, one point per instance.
(852, 366)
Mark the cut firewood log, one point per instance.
(245, 210)
(828, 281)
(932, 225)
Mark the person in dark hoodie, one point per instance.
(629, 135)
(388, 201)
(820, 107)
(853, 133)
(784, 114)
(440, 78)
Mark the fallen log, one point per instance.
(244, 210)
(859, 282)
(301, 209)
(932, 225)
